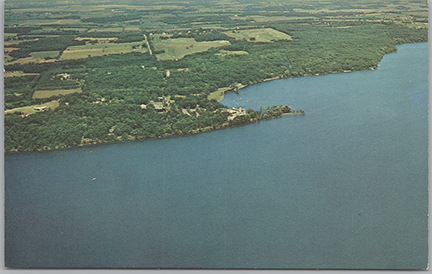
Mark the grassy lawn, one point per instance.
(31, 110)
(41, 94)
(180, 47)
(218, 94)
(260, 35)
(78, 52)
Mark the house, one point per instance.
(158, 106)
(234, 113)
(63, 76)
(42, 108)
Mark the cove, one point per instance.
(344, 186)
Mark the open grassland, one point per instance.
(131, 28)
(261, 19)
(100, 40)
(9, 60)
(258, 35)
(8, 74)
(112, 29)
(42, 94)
(180, 47)
(231, 52)
(78, 52)
(45, 54)
(218, 94)
(30, 109)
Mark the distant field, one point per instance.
(231, 52)
(8, 74)
(78, 52)
(45, 54)
(260, 19)
(100, 40)
(131, 28)
(180, 47)
(259, 35)
(32, 59)
(30, 109)
(9, 35)
(41, 94)
(115, 29)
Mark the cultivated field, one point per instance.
(45, 54)
(231, 52)
(42, 94)
(258, 35)
(180, 47)
(8, 74)
(78, 52)
(8, 60)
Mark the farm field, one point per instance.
(42, 94)
(180, 47)
(259, 35)
(8, 74)
(45, 54)
(31, 59)
(78, 52)
(231, 52)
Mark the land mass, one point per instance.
(92, 72)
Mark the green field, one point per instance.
(218, 94)
(8, 74)
(78, 52)
(114, 29)
(258, 35)
(42, 94)
(31, 110)
(231, 52)
(44, 54)
(180, 47)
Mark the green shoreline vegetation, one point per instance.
(143, 84)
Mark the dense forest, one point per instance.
(134, 95)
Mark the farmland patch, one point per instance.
(180, 47)
(78, 52)
(42, 94)
(258, 35)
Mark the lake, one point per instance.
(344, 186)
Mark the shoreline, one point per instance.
(227, 124)
(222, 95)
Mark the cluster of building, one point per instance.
(234, 112)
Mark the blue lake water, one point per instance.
(344, 186)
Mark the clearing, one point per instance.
(223, 52)
(8, 74)
(41, 94)
(30, 109)
(78, 52)
(258, 35)
(180, 47)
